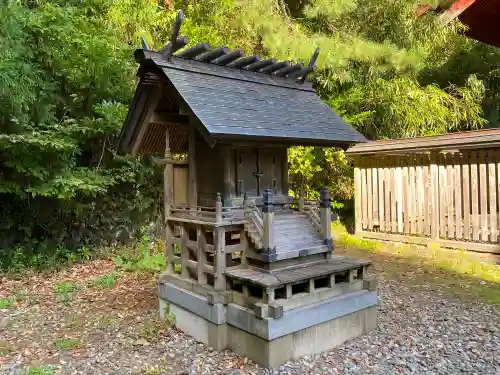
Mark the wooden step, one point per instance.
(297, 226)
(308, 228)
(284, 241)
(300, 246)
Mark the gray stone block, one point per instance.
(217, 297)
(310, 341)
(276, 311)
(194, 303)
(302, 317)
(214, 335)
(261, 310)
(370, 283)
(274, 352)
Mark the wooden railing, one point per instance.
(215, 214)
(255, 225)
(314, 215)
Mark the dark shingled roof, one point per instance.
(229, 102)
(237, 104)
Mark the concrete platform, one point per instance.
(270, 342)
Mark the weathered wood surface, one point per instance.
(457, 184)
(357, 197)
(483, 193)
(466, 197)
(381, 206)
(296, 274)
(475, 196)
(453, 196)
(193, 191)
(434, 199)
(369, 188)
(427, 192)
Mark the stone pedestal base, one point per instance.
(306, 330)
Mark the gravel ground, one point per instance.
(421, 330)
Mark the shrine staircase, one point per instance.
(295, 233)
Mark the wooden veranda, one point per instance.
(442, 190)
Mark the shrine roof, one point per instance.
(231, 97)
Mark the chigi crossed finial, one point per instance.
(223, 56)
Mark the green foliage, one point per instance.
(106, 281)
(68, 344)
(39, 371)
(65, 291)
(41, 255)
(169, 316)
(6, 303)
(65, 287)
(145, 256)
(67, 77)
(319, 167)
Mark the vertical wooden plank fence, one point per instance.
(443, 197)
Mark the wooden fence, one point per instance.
(452, 198)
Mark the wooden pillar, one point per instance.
(168, 173)
(169, 247)
(220, 258)
(201, 255)
(167, 200)
(184, 253)
(269, 295)
(326, 217)
(289, 291)
(268, 220)
(219, 248)
(284, 172)
(193, 193)
(244, 245)
(228, 185)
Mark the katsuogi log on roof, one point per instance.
(227, 97)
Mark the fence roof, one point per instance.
(477, 139)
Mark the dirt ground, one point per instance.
(96, 319)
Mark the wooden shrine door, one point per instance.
(258, 169)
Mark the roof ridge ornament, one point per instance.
(172, 46)
(144, 43)
(310, 66)
(223, 56)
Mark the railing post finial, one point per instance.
(218, 208)
(324, 198)
(267, 201)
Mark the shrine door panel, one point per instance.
(270, 168)
(246, 165)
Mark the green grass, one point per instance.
(105, 322)
(465, 273)
(106, 281)
(65, 291)
(65, 287)
(68, 344)
(39, 371)
(6, 303)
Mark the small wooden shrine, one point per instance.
(248, 268)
